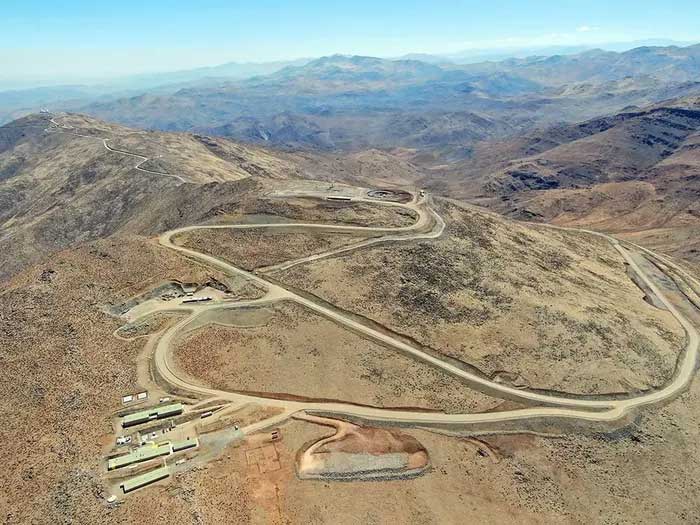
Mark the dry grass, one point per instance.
(250, 249)
(557, 308)
(297, 352)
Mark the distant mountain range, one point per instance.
(474, 56)
(353, 102)
(17, 102)
(635, 173)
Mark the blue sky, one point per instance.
(102, 38)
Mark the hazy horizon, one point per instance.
(83, 42)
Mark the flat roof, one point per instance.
(143, 453)
(169, 409)
(156, 412)
(185, 444)
(145, 479)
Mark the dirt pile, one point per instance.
(357, 453)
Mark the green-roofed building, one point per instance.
(185, 444)
(144, 479)
(143, 453)
(150, 414)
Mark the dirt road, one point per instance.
(429, 225)
(59, 128)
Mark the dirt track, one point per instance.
(429, 225)
(58, 128)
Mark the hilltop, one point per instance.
(59, 189)
(634, 173)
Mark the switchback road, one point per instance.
(429, 225)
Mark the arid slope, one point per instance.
(555, 309)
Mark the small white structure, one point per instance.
(197, 299)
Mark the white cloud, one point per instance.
(586, 29)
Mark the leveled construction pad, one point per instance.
(320, 210)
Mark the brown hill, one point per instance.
(487, 280)
(63, 187)
(632, 172)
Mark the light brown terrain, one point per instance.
(61, 375)
(523, 303)
(251, 249)
(64, 188)
(300, 209)
(335, 364)
(635, 174)
(556, 309)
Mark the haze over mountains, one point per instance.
(326, 102)
(586, 138)
(348, 103)
(368, 233)
(22, 100)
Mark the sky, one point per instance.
(77, 40)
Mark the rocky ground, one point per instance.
(556, 308)
(329, 212)
(59, 190)
(62, 373)
(544, 308)
(61, 377)
(294, 351)
(251, 249)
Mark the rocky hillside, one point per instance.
(59, 189)
(510, 299)
(354, 102)
(635, 173)
(550, 308)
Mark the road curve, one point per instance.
(429, 225)
(58, 128)
(432, 225)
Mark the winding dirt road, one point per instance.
(429, 225)
(61, 128)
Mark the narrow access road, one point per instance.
(592, 410)
(58, 128)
